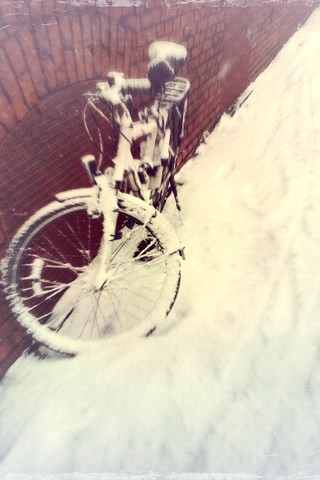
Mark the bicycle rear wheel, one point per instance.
(50, 265)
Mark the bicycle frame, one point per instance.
(124, 161)
(106, 190)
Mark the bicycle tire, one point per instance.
(46, 274)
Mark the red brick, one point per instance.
(28, 90)
(4, 32)
(168, 25)
(8, 11)
(57, 52)
(71, 66)
(15, 56)
(23, 13)
(5, 349)
(42, 41)
(142, 39)
(7, 115)
(65, 31)
(88, 62)
(134, 71)
(6, 328)
(160, 28)
(61, 8)
(50, 73)
(13, 355)
(184, 20)
(151, 34)
(150, 18)
(17, 337)
(11, 87)
(104, 28)
(31, 57)
(104, 62)
(112, 45)
(87, 44)
(2, 135)
(48, 7)
(78, 48)
(96, 38)
(36, 8)
(121, 40)
(132, 23)
(176, 23)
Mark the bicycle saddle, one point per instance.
(165, 58)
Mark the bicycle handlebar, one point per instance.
(116, 84)
(165, 57)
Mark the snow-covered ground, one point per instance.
(234, 384)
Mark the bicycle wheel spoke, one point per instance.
(62, 266)
(71, 312)
(82, 248)
(143, 267)
(144, 287)
(68, 239)
(133, 240)
(101, 313)
(70, 308)
(136, 294)
(89, 237)
(45, 251)
(94, 312)
(55, 249)
(114, 308)
(53, 293)
(134, 304)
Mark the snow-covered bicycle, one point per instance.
(103, 261)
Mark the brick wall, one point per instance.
(51, 52)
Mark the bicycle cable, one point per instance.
(99, 148)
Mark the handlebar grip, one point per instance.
(137, 85)
(110, 94)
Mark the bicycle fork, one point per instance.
(108, 206)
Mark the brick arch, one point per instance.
(56, 46)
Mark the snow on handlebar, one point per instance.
(116, 85)
(110, 94)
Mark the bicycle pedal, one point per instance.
(175, 91)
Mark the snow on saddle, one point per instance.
(165, 58)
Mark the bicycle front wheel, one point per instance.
(51, 263)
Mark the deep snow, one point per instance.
(232, 383)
